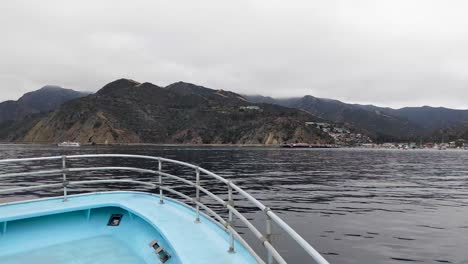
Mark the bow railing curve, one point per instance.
(227, 225)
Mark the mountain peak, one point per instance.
(52, 93)
(184, 83)
(147, 85)
(50, 88)
(184, 88)
(117, 85)
(42, 100)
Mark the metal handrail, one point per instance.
(270, 215)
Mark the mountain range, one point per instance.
(127, 111)
(381, 123)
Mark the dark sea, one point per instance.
(352, 205)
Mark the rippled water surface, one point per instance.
(352, 205)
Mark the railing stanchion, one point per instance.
(161, 197)
(64, 180)
(197, 193)
(230, 221)
(268, 235)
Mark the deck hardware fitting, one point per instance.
(162, 253)
(115, 220)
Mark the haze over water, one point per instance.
(352, 205)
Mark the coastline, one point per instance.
(146, 144)
(175, 145)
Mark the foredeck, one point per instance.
(209, 242)
(204, 242)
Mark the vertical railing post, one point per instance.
(230, 220)
(64, 180)
(161, 197)
(268, 235)
(197, 194)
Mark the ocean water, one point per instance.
(352, 205)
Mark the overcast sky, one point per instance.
(389, 52)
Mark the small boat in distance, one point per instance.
(306, 145)
(68, 144)
(296, 145)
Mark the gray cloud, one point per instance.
(391, 53)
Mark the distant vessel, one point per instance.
(306, 145)
(68, 144)
(442, 145)
(296, 145)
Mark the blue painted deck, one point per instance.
(192, 242)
